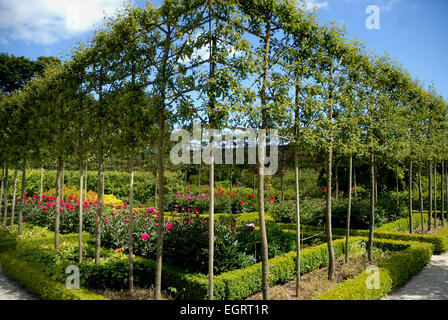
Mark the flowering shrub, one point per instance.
(235, 202)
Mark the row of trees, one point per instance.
(228, 64)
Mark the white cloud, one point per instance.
(315, 4)
(48, 21)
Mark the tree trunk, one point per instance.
(435, 195)
(398, 191)
(58, 203)
(211, 224)
(13, 206)
(81, 207)
(331, 258)
(372, 206)
(430, 195)
(349, 208)
(411, 227)
(131, 221)
(442, 194)
(41, 182)
(296, 171)
(159, 255)
(420, 197)
(255, 183)
(63, 181)
(99, 210)
(85, 187)
(376, 185)
(1, 192)
(22, 198)
(5, 199)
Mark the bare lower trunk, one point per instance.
(58, 204)
(131, 221)
(296, 170)
(442, 194)
(99, 208)
(435, 195)
(349, 207)
(411, 228)
(22, 198)
(211, 224)
(13, 200)
(372, 206)
(62, 181)
(331, 258)
(430, 196)
(41, 182)
(263, 235)
(81, 207)
(1, 192)
(160, 229)
(420, 197)
(5, 198)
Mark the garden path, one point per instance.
(431, 283)
(11, 290)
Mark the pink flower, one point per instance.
(44, 208)
(144, 236)
(23, 218)
(114, 213)
(169, 226)
(127, 220)
(119, 207)
(152, 210)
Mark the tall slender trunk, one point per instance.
(81, 207)
(372, 206)
(411, 227)
(160, 156)
(13, 206)
(430, 195)
(22, 198)
(376, 184)
(63, 180)
(397, 186)
(5, 199)
(58, 203)
(296, 171)
(99, 208)
(131, 220)
(1, 192)
(41, 182)
(255, 183)
(349, 207)
(420, 197)
(331, 258)
(211, 224)
(85, 187)
(442, 194)
(435, 195)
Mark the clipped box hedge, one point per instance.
(393, 272)
(29, 275)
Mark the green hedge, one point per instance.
(30, 276)
(393, 272)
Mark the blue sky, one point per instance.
(414, 32)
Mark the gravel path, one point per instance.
(11, 290)
(431, 283)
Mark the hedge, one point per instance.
(30, 276)
(393, 272)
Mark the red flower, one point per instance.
(325, 190)
(169, 226)
(242, 202)
(271, 201)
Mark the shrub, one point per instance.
(393, 272)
